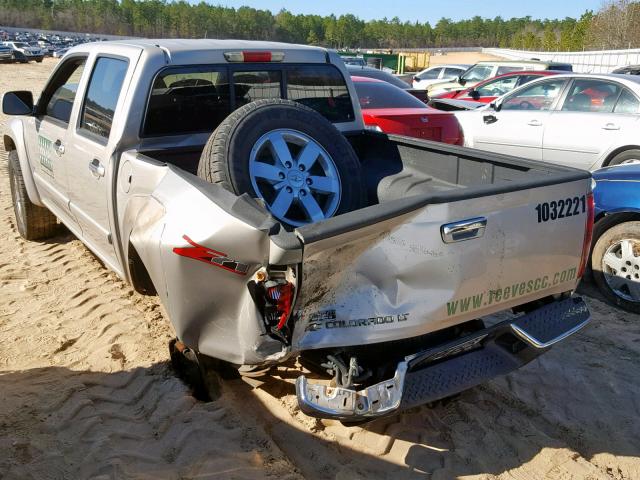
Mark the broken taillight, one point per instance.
(280, 296)
(588, 234)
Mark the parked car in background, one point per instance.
(351, 60)
(60, 52)
(489, 90)
(389, 109)
(615, 256)
(483, 70)
(23, 52)
(6, 54)
(579, 120)
(628, 70)
(370, 72)
(437, 73)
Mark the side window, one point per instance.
(503, 70)
(535, 97)
(591, 96)
(322, 88)
(527, 78)
(102, 96)
(187, 100)
(627, 103)
(252, 86)
(498, 87)
(431, 74)
(59, 95)
(452, 72)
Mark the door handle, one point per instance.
(96, 168)
(535, 123)
(59, 147)
(611, 126)
(463, 230)
(489, 119)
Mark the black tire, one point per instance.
(633, 154)
(609, 238)
(33, 222)
(196, 371)
(39, 61)
(225, 158)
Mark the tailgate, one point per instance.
(397, 278)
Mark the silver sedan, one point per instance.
(580, 120)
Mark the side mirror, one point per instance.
(497, 106)
(17, 103)
(474, 94)
(461, 81)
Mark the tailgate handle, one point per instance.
(463, 230)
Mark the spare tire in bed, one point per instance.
(290, 156)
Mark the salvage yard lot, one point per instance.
(87, 391)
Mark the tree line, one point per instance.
(616, 25)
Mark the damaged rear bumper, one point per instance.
(450, 368)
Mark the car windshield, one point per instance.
(382, 95)
(477, 73)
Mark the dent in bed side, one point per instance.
(210, 307)
(14, 139)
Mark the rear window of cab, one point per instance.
(196, 99)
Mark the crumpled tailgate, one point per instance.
(397, 278)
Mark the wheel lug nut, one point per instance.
(301, 167)
(309, 181)
(287, 164)
(289, 190)
(281, 176)
(303, 193)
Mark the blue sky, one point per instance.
(425, 10)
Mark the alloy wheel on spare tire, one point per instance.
(290, 156)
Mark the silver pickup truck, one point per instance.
(393, 298)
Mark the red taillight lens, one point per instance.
(588, 235)
(281, 296)
(248, 56)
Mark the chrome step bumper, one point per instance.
(450, 368)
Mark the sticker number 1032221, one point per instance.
(558, 209)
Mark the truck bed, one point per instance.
(398, 167)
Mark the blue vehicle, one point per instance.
(615, 254)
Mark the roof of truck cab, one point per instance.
(176, 45)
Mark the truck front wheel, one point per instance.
(33, 222)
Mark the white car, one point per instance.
(437, 73)
(578, 120)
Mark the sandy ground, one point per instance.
(87, 392)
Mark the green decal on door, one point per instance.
(44, 152)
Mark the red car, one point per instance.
(389, 109)
(492, 88)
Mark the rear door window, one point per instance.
(503, 70)
(431, 74)
(321, 88)
(382, 95)
(102, 96)
(627, 103)
(592, 96)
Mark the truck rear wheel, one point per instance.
(290, 156)
(33, 222)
